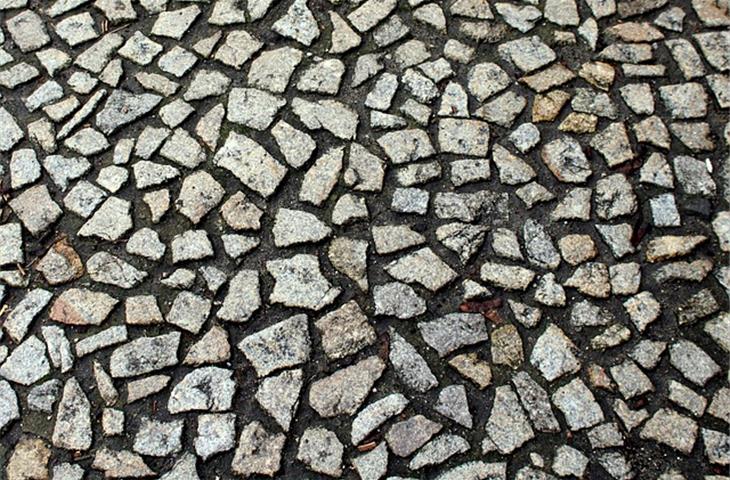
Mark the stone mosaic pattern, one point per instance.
(457, 240)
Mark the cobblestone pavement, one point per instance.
(301, 239)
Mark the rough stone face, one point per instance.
(27, 363)
(72, 429)
(454, 331)
(321, 451)
(158, 439)
(36, 209)
(672, 429)
(330, 115)
(292, 227)
(375, 414)
(207, 388)
(250, 163)
(553, 354)
(11, 132)
(29, 460)
(410, 367)
(9, 401)
(693, 362)
(253, 108)
(566, 160)
(536, 402)
(508, 277)
(243, 299)
(282, 345)
(508, 426)
(409, 435)
(122, 108)
(22, 315)
(121, 463)
(279, 396)
(527, 54)
(423, 267)
(258, 451)
(464, 137)
(345, 331)
(300, 283)
(578, 405)
(110, 221)
(345, 390)
(200, 193)
(145, 355)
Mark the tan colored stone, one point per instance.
(591, 279)
(577, 249)
(598, 74)
(712, 12)
(672, 246)
(29, 460)
(546, 108)
(507, 346)
(473, 368)
(579, 123)
(552, 76)
(634, 32)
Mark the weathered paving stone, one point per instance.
(110, 221)
(345, 331)
(215, 434)
(258, 451)
(145, 355)
(158, 439)
(285, 344)
(672, 429)
(242, 299)
(473, 368)
(279, 396)
(9, 401)
(410, 367)
(72, 429)
(29, 459)
(253, 108)
(345, 390)
(189, 311)
(106, 268)
(292, 227)
(300, 283)
(321, 451)
(397, 299)
(36, 209)
(375, 414)
(22, 315)
(508, 427)
(454, 331)
(27, 363)
(191, 245)
(693, 362)
(206, 388)
(373, 464)
(121, 463)
(578, 405)
(536, 402)
(409, 435)
(554, 354)
(250, 163)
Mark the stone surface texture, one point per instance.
(374, 239)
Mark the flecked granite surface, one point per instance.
(374, 239)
